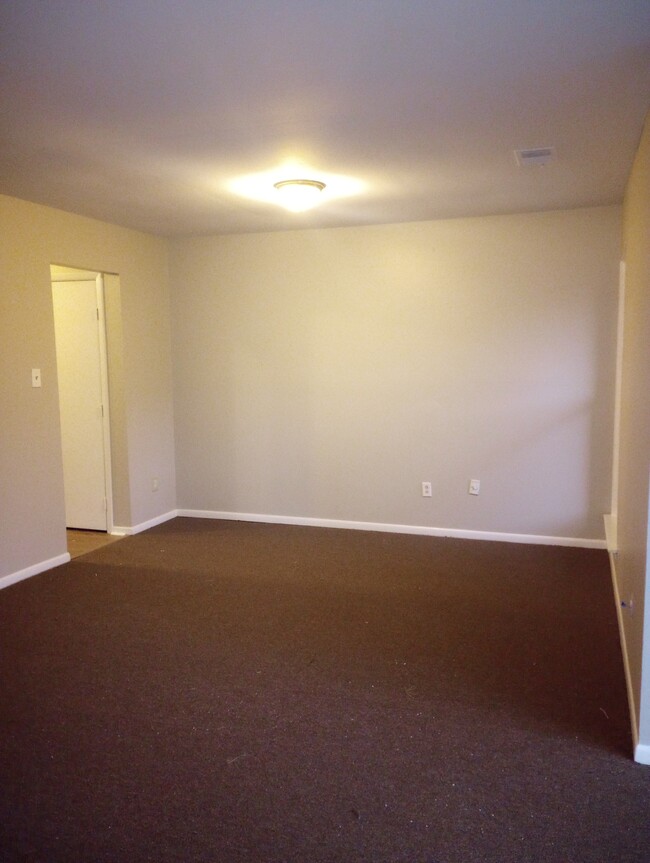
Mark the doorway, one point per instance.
(82, 370)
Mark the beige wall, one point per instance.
(32, 517)
(325, 374)
(632, 563)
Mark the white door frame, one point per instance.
(106, 417)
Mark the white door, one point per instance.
(79, 365)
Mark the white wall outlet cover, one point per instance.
(426, 489)
(474, 486)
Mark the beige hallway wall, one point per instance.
(32, 522)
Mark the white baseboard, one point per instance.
(532, 539)
(640, 751)
(37, 568)
(144, 525)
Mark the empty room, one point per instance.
(325, 458)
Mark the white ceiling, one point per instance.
(143, 112)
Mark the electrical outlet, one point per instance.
(426, 489)
(474, 486)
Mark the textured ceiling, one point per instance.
(144, 112)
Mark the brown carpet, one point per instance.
(220, 692)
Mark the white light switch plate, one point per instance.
(36, 377)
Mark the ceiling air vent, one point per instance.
(536, 157)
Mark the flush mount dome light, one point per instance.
(299, 195)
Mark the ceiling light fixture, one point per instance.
(263, 186)
(299, 195)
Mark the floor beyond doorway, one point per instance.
(82, 541)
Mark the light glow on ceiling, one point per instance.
(325, 188)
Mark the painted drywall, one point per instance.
(326, 374)
(32, 522)
(634, 464)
